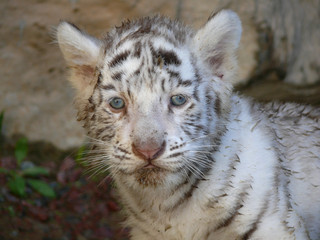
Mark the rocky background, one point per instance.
(278, 55)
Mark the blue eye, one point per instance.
(178, 100)
(117, 103)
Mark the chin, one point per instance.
(151, 176)
(154, 175)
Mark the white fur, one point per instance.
(77, 47)
(220, 36)
(265, 166)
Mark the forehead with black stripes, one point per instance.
(149, 51)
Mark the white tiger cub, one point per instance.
(191, 159)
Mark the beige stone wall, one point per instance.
(280, 38)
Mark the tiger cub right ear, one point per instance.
(82, 54)
(217, 41)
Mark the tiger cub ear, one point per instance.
(82, 54)
(217, 41)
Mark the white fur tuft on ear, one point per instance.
(82, 53)
(77, 47)
(216, 43)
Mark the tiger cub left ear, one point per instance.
(82, 53)
(216, 43)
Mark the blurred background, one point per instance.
(279, 58)
(278, 55)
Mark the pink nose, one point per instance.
(148, 151)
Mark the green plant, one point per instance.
(1, 120)
(19, 177)
(80, 155)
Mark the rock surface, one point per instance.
(280, 45)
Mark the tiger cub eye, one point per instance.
(117, 103)
(178, 100)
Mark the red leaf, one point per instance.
(38, 213)
(68, 172)
(67, 164)
(112, 206)
(8, 163)
(73, 195)
(74, 175)
(103, 232)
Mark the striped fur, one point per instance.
(214, 166)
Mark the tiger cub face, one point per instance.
(153, 95)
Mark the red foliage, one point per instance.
(82, 209)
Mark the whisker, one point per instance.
(201, 137)
(206, 152)
(195, 170)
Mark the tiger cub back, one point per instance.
(190, 158)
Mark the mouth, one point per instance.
(150, 175)
(149, 166)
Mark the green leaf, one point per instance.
(1, 119)
(80, 154)
(3, 170)
(42, 188)
(35, 171)
(21, 149)
(17, 185)
(11, 211)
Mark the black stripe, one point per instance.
(217, 105)
(162, 84)
(123, 150)
(101, 130)
(169, 57)
(108, 87)
(129, 93)
(139, 219)
(173, 74)
(100, 97)
(133, 213)
(118, 59)
(121, 157)
(195, 126)
(99, 78)
(91, 107)
(206, 168)
(176, 146)
(186, 83)
(93, 117)
(117, 76)
(107, 137)
(137, 72)
(195, 185)
(186, 131)
(183, 183)
(137, 50)
(213, 14)
(174, 155)
(254, 226)
(208, 97)
(186, 195)
(226, 222)
(190, 107)
(108, 112)
(196, 93)
(193, 117)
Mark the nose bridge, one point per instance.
(148, 129)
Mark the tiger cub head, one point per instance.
(153, 95)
